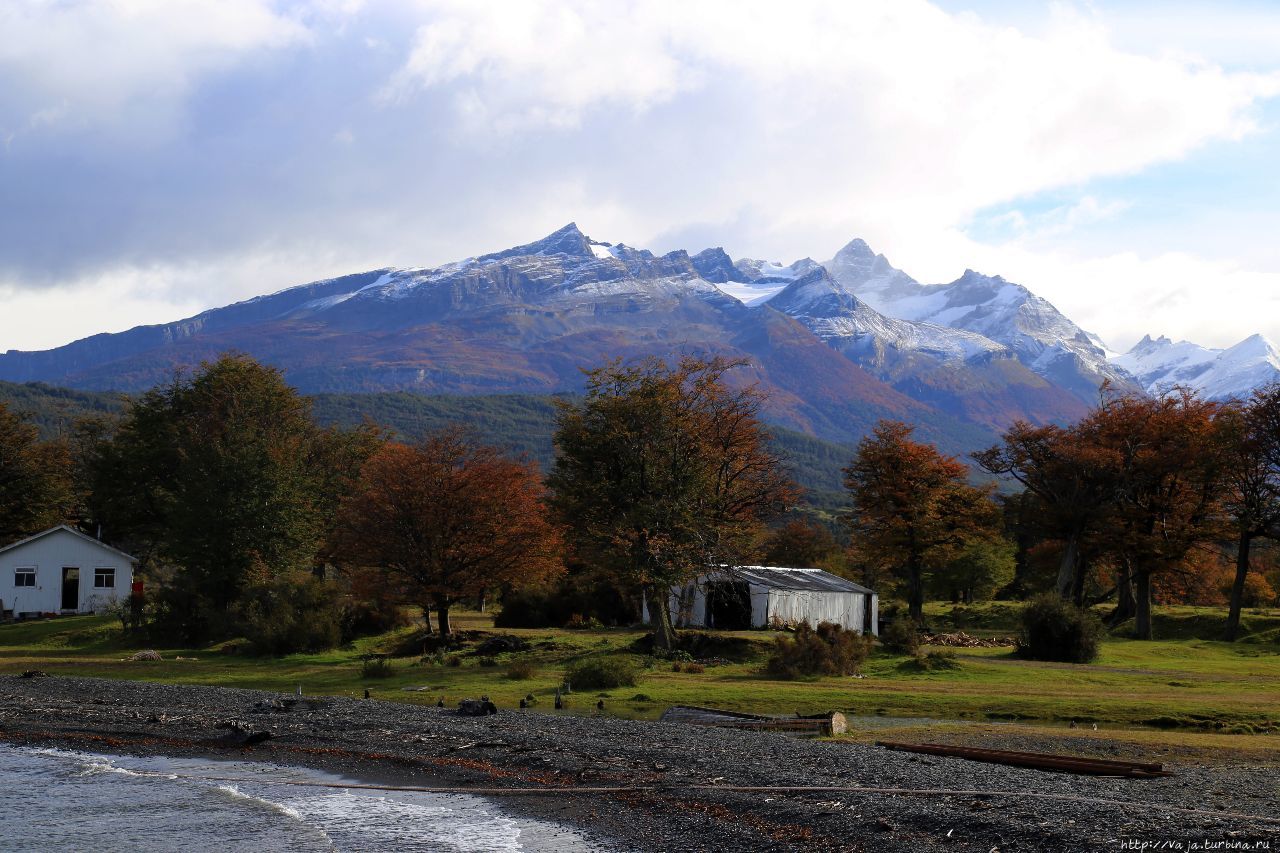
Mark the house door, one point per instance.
(70, 588)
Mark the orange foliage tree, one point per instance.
(912, 507)
(663, 472)
(1167, 457)
(450, 518)
(1249, 438)
(1071, 481)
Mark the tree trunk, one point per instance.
(442, 616)
(1078, 580)
(1126, 605)
(426, 617)
(915, 591)
(1142, 611)
(1237, 586)
(664, 636)
(483, 601)
(1067, 568)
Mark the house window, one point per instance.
(24, 577)
(104, 578)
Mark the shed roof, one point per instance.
(779, 577)
(104, 546)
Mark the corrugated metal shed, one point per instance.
(736, 597)
(778, 577)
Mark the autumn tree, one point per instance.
(1068, 482)
(665, 471)
(449, 518)
(35, 479)
(913, 508)
(1249, 436)
(1169, 468)
(799, 544)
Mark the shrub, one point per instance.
(694, 668)
(376, 666)
(901, 636)
(578, 622)
(829, 650)
(603, 672)
(521, 669)
(367, 618)
(931, 662)
(289, 613)
(488, 662)
(1056, 630)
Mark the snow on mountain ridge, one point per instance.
(1039, 335)
(1218, 374)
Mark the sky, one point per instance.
(160, 157)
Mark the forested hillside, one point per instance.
(521, 422)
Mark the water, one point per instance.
(57, 800)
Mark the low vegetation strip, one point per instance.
(1187, 685)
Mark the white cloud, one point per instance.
(426, 130)
(888, 112)
(86, 62)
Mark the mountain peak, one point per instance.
(1254, 346)
(856, 248)
(1149, 345)
(568, 240)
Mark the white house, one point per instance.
(763, 596)
(62, 571)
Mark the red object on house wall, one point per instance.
(136, 589)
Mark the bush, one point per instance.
(603, 672)
(289, 613)
(931, 662)
(901, 636)
(829, 650)
(376, 666)
(367, 618)
(521, 669)
(1056, 630)
(578, 622)
(694, 668)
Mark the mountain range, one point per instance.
(1160, 365)
(837, 344)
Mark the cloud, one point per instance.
(203, 152)
(122, 62)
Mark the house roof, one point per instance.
(779, 577)
(73, 532)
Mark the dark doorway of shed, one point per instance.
(729, 605)
(70, 588)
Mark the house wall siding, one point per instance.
(48, 555)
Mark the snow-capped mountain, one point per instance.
(528, 318)
(1039, 335)
(1218, 374)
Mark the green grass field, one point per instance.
(1180, 690)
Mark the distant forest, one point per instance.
(521, 422)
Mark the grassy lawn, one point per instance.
(1183, 683)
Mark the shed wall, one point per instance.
(688, 607)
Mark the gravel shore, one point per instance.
(991, 807)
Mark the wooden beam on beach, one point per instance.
(1037, 760)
